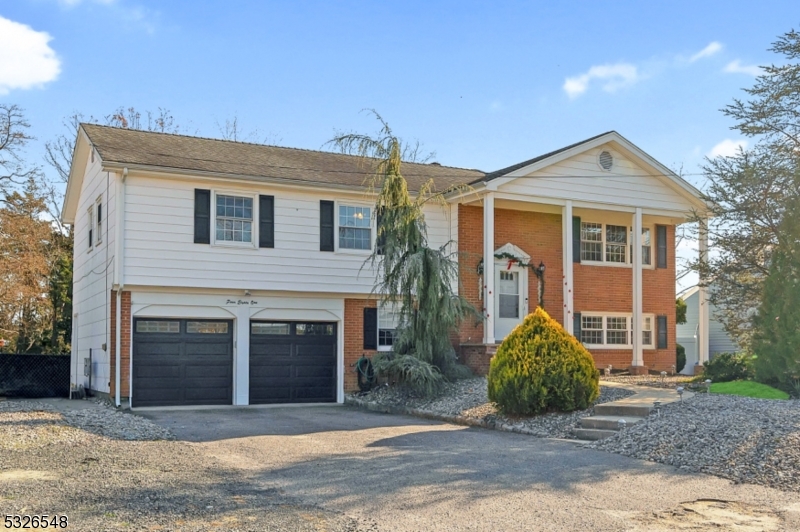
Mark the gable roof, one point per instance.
(669, 178)
(145, 149)
(523, 164)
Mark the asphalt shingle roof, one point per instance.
(133, 147)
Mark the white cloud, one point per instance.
(736, 67)
(26, 59)
(616, 76)
(712, 48)
(727, 148)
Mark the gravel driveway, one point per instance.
(411, 474)
(92, 464)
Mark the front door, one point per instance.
(511, 287)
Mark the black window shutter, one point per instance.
(576, 325)
(662, 332)
(266, 221)
(576, 239)
(380, 239)
(202, 216)
(99, 213)
(370, 328)
(325, 225)
(661, 245)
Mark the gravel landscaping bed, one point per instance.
(746, 440)
(108, 470)
(468, 399)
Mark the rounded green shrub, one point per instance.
(540, 367)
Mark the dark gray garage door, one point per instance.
(182, 362)
(292, 362)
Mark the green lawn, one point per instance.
(748, 389)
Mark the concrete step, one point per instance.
(593, 434)
(622, 409)
(608, 422)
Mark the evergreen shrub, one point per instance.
(540, 367)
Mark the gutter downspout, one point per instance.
(119, 283)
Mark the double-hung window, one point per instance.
(355, 227)
(611, 331)
(234, 218)
(612, 244)
(388, 318)
(98, 237)
(90, 225)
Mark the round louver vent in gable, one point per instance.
(605, 160)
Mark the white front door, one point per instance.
(511, 300)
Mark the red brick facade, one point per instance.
(125, 344)
(354, 339)
(597, 288)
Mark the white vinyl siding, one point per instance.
(625, 184)
(160, 248)
(93, 276)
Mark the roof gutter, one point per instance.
(119, 282)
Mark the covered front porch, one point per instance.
(606, 272)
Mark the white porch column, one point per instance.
(566, 229)
(488, 267)
(702, 340)
(241, 357)
(638, 356)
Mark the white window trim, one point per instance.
(378, 332)
(253, 244)
(98, 237)
(372, 230)
(628, 261)
(90, 234)
(627, 315)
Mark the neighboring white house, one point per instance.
(689, 333)
(216, 272)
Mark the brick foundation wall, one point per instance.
(125, 344)
(477, 357)
(354, 339)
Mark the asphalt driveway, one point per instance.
(409, 474)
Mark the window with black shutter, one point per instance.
(661, 246)
(576, 239)
(371, 328)
(202, 216)
(266, 221)
(326, 227)
(662, 332)
(576, 324)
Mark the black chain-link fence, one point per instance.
(34, 375)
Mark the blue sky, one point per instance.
(483, 84)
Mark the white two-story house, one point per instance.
(214, 272)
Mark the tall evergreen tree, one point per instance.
(422, 281)
(776, 342)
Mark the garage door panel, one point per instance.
(273, 350)
(208, 371)
(320, 371)
(181, 367)
(297, 365)
(305, 351)
(151, 371)
(158, 350)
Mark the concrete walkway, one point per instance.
(646, 395)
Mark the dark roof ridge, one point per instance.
(503, 171)
(237, 142)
